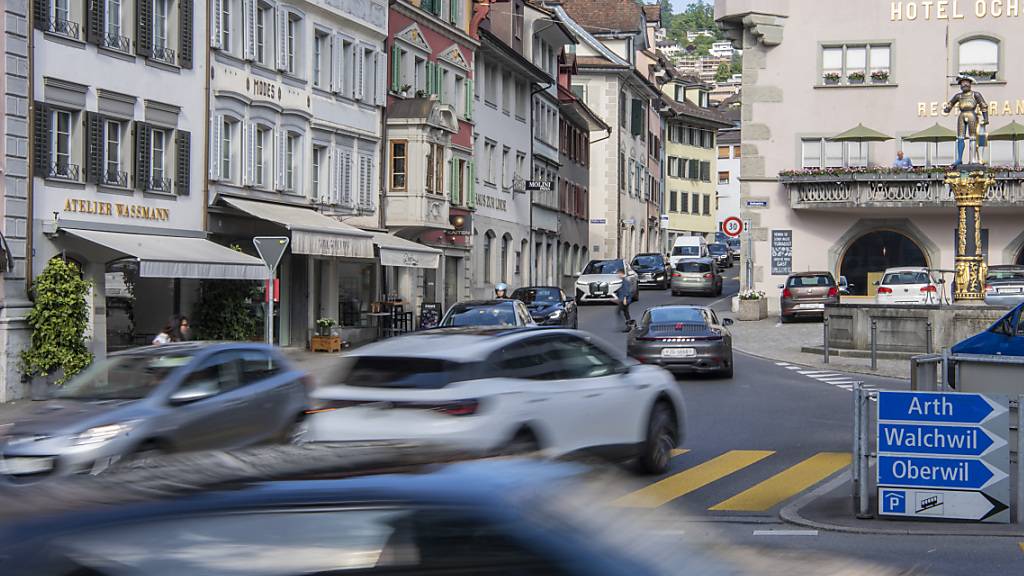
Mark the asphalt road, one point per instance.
(760, 439)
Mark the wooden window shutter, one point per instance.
(41, 141)
(380, 76)
(94, 147)
(216, 141)
(469, 99)
(281, 17)
(396, 68)
(471, 186)
(250, 13)
(216, 23)
(144, 28)
(360, 69)
(186, 32)
(337, 64)
(142, 144)
(95, 14)
(182, 162)
(281, 159)
(41, 14)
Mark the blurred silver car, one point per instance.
(1004, 286)
(697, 275)
(170, 398)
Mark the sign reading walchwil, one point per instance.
(943, 455)
(782, 252)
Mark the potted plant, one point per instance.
(404, 90)
(831, 78)
(324, 341)
(753, 305)
(880, 76)
(981, 75)
(421, 94)
(855, 77)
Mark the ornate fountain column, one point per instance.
(969, 186)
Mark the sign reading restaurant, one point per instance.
(953, 9)
(995, 108)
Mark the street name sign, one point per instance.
(943, 455)
(757, 203)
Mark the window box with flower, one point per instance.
(855, 77)
(880, 76)
(831, 78)
(325, 341)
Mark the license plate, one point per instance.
(678, 352)
(810, 306)
(1008, 291)
(26, 465)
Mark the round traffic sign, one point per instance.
(732, 227)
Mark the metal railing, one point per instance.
(117, 178)
(892, 191)
(64, 171)
(64, 27)
(159, 184)
(165, 54)
(117, 42)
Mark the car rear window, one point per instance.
(805, 281)
(897, 278)
(391, 372)
(686, 251)
(691, 266)
(648, 261)
(670, 315)
(717, 249)
(1005, 274)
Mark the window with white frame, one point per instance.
(522, 99)
(419, 74)
(226, 26)
(227, 149)
(489, 152)
(62, 122)
(113, 175)
(321, 59)
(979, 58)
(824, 153)
(264, 24)
(261, 151)
(158, 161)
(367, 75)
(520, 165)
(63, 21)
(507, 92)
(161, 31)
(491, 85)
(506, 164)
(459, 94)
(399, 164)
(113, 34)
(291, 43)
(318, 158)
(856, 63)
(348, 62)
(292, 154)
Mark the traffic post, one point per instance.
(732, 227)
(270, 249)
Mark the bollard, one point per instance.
(928, 337)
(824, 348)
(874, 344)
(855, 461)
(864, 503)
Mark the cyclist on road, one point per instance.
(500, 290)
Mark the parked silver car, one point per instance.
(1004, 286)
(170, 398)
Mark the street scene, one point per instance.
(589, 287)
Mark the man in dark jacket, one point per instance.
(623, 296)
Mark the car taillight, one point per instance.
(331, 405)
(928, 288)
(833, 291)
(884, 290)
(786, 293)
(709, 276)
(460, 408)
(989, 288)
(676, 274)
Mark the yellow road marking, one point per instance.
(1021, 544)
(787, 483)
(679, 451)
(687, 481)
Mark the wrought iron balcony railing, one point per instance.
(113, 177)
(165, 54)
(117, 42)
(65, 27)
(158, 184)
(64, 171)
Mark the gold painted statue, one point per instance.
(971, 121)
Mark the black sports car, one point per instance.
(548, 305)
(683, 339)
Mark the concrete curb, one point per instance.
(848, 369)
(791, 513)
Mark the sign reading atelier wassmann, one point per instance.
(943, 455)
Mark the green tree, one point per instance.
(226, 309)
(737, 63)
(666, 13)
(697, 16)
(59, 318)
(724, 72)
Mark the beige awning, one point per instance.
(395, 251)
(176, 256)
(311, 232)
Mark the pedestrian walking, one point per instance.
(165, 335)
(624, 296)
(184, 331)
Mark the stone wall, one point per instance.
(905, 328)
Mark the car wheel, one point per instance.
(148, 450)
(674, 293)
(727, 372)
(524, 442)
(661, 439)
(784, 319)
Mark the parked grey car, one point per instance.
(170, 398)
(1004, 286)
(683, 338)
(700, 275)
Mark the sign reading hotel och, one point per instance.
(953, 9)
(117, 209)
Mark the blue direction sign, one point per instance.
(962, 473)
(935, 439)
(934, 407)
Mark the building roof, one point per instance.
(729, 136)
(596, 62)
(652, 12)
(691, 110)
(605, 16)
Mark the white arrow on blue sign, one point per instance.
(960, 473)
(931, 407)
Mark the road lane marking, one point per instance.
(1021, 545)
(682, 483)
(787, 483)
(678, 451)
(785, 532)
(782, 363)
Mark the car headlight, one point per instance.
(101, 434)
(556, 314)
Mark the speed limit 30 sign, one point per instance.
(732, 227)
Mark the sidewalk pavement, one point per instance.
(831, 507)
(773, 340)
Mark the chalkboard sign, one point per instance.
(782, 252)
(430, 315)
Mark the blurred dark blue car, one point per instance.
(1004, 338)
(548, 306)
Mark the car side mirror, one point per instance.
(190, 395)
(727, 322)
(875, 283)
(570, 299)
(851, 286)
(781, 286)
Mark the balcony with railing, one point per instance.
(114, 41)
(888, 188)
(64, 27)
(61, 170)
(116, 178)
(165, 55)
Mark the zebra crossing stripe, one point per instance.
(787, 483)
(682, 483)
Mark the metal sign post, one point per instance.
(270, 249)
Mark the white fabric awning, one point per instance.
(395, 251)
(176, 256)
(311, 232)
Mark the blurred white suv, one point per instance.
(911, 285)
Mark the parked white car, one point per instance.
(599, 281)
(913, 285)
(490, 391)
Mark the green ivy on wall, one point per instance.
(59, 319)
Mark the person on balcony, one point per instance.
(902, 162)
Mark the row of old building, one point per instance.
(418, 151)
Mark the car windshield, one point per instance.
(128, 377)
(896, 278)
(1005, 274)
(481, 315)
(649, 261)
(686, 251)
(391, 372)
(538, 295)
(692, 266)
(805, 281)
(733, 243)
(675, 314)
(603, 267)
(718, 249)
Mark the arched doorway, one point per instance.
(1020, 258)
(869, 256)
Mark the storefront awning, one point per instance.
(311, 232)
(395, 251)
(176, 256)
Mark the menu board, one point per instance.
(430, 315)
(782, 252)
